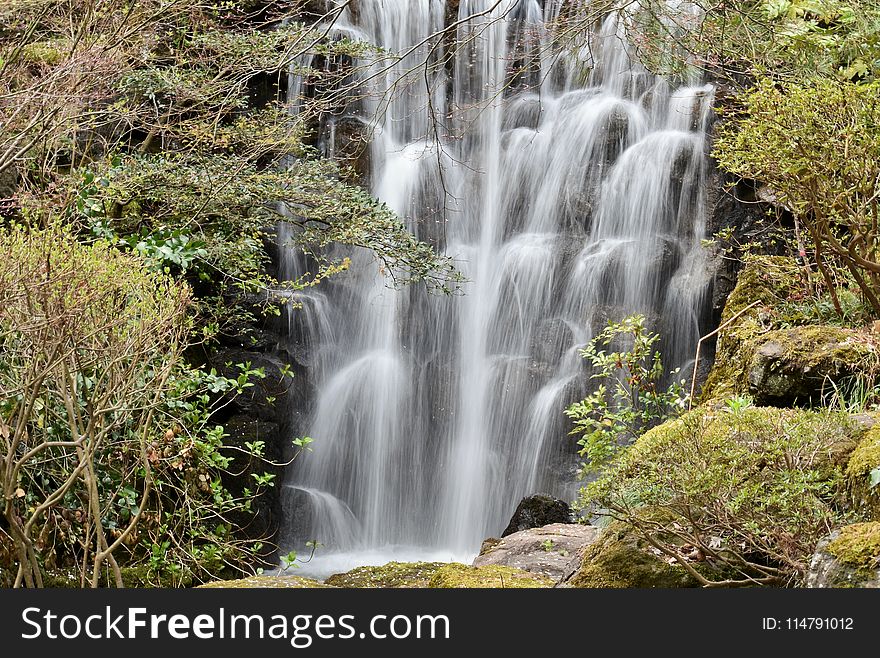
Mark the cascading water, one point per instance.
(565, 198)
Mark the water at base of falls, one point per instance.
(570, 190)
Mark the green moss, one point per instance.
(620, 560)
(45, 52)
(489, 576)
(766, 279)
(139, 576)
(861, 472)
(858, 546)
(391, 575)
(782, 350)
(267, 582)
(866, 457)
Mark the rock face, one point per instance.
(537, 511)
(456, 575)
(555, 550)
(391, 575)
(849, 557)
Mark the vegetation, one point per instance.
(607, 419)
(816, 144)
(745, 492)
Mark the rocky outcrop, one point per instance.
(392, 575)
(773, 350)
(537, 511)
(457, 575)
(555, 550)
(849, 557)
(801, 364)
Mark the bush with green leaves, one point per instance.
(782, 39)
(738, 495)
(631, 396)
(109, 456)
(816, 144)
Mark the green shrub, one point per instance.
(105, 436)
(748, 491)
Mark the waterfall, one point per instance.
(569, 189)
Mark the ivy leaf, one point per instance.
(875, 477)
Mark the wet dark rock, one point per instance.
(536, 511)
(261, 399)
(262, 521)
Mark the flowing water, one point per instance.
(569, 190)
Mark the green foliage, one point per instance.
(744, 491)
(781, 38)
(608, 419)
(817, 145)
(108, 436)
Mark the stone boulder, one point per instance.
(455, 575)
(849, 557)
(801, 364)
(537, 511)
(391, 575)
(555, 550)
(772, 348)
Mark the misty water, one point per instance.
(569, 188)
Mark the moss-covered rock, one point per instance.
(139, 576)
(800, 364)
(768, 280)
(620, 559)
(267, 582)
(850, 557)
(491, 576)
(391, 575)
(776, 351)
(862, 473)
(858, 545)
(45, 52)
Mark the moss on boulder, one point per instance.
(45, 52)
(766, 279)
(775, 354)
(138, 576)
(391, 575)
(620, 559)
(850, 557)
(861, 472)
(456, 575)
(858, 545)
(773, 474)
(267, 582)
(799, 364)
